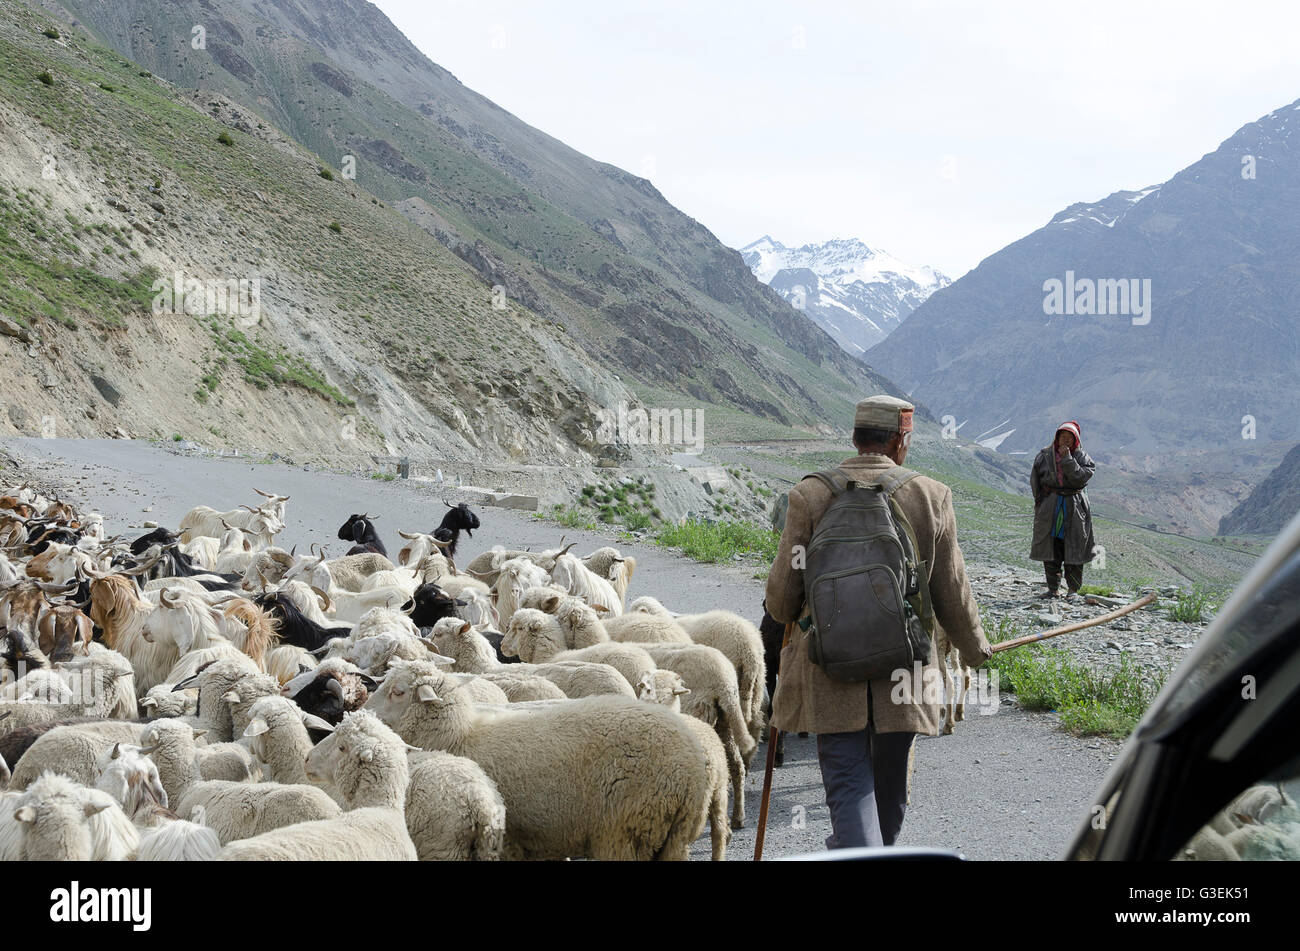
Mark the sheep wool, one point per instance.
(603, 777)
(454, 811)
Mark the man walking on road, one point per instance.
(865, 730)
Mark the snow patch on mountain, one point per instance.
(858, 294)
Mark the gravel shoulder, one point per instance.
(1003, 786)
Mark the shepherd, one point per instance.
(1062, 518)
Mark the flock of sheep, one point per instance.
(210, 695)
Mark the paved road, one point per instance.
(1004, 786)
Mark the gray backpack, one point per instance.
(868, 593)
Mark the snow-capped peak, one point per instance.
(858, 294)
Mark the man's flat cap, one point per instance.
(884, 412)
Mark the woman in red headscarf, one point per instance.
(1062, 518)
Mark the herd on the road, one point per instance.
(207, 694)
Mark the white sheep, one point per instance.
(603, 777)
(714, 696)
(537, 638)
(367, 763)
(62, 820)
(730, 633)
(232, 810)
(667, 689)
(72, 751)
(162, 701)
(278, 737)
(472, 654)
(101, 687)
(454, 811)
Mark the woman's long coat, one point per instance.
(1076, 469)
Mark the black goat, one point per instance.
(430, 605)
(459, 518)
(295, 627)
(41, 534)
(159, 536)
(331, 690)
(361, 530)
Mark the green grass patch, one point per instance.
(719, 541)
(568, 517)
(264, 368)
(1191, 605)
(1089, 702)
(1100, 589)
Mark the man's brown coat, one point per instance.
(807, 701)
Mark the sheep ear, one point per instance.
(117, 751)
(149, 702)
(366, 755)
(551, 603)
(230, 696)
(93, 809)
(426, 694)
(256, 727)
(25, 815)
(464, 628)
(313, 722)
(200, 733)
(600, 607)
(681, 691)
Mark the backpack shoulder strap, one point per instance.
(836, 480)
(895, 478)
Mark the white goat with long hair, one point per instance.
(580, 581)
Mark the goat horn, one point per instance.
(251, 509)
(483, 577)
(618, 559)
(164, 600)
(438, 543)
(326, 601)
(225, 523)
(448, 504)
(293, 552)
(565, 549)
(334, 687)
(49, 588)
(312, 548)
(260, 492)
(409, 537)
(184, 684)
(320, 650)
(150, 749)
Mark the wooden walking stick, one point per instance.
(1077, 626)
(772, 736)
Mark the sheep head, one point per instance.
(532, 636)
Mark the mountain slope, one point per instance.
(114, 185)
(1221, 341)
(857, 295)
(1272, 504)
(638, 285)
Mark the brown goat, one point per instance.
(64, 631)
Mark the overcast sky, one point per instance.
(939, 131)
